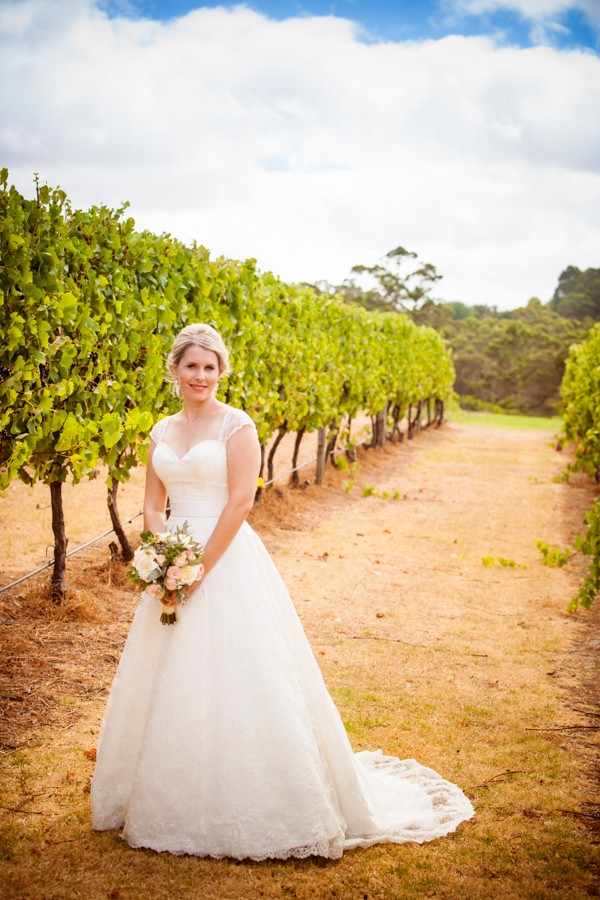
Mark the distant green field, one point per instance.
(502, 420)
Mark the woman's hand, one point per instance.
(185, 592)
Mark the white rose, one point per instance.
(189, 574)
(144, 562)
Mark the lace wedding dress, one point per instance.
(220, 738)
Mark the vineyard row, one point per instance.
(580, 391)
(88, 310)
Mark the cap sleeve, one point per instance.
(159, 429)
(233, 421)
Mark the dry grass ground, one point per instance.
(477, 671)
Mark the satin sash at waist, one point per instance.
(197, 509)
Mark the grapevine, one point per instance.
(580, 390)
(89, 307)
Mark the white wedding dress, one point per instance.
(220, 738)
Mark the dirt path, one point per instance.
(475, 670)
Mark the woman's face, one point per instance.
(197, 374)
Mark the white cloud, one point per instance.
(543, 14)
(529, 9)
(297, 144)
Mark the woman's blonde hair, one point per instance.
(198, 335)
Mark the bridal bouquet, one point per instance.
(165, 564)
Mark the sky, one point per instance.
(314, 135)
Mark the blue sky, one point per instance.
(560, 23)
(467, 131)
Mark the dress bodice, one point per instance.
(197, 482)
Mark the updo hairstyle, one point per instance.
(198, 335)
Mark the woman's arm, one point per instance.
(243, 465)
(155, 498)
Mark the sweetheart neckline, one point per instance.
(187, 452)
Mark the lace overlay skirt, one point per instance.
(220, 738)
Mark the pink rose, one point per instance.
(160, 559)
(155, 591)
(173, 572)
(189, 554)
(170, 584)
(180, 560)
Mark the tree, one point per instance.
(577, 294)
(404, 283)
(515, 359)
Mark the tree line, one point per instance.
(505, 361)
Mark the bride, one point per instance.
(219, 737)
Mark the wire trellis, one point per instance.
(126, 522)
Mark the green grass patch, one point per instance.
(505, 420)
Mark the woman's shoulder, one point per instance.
(159, 428)
(233, 420)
